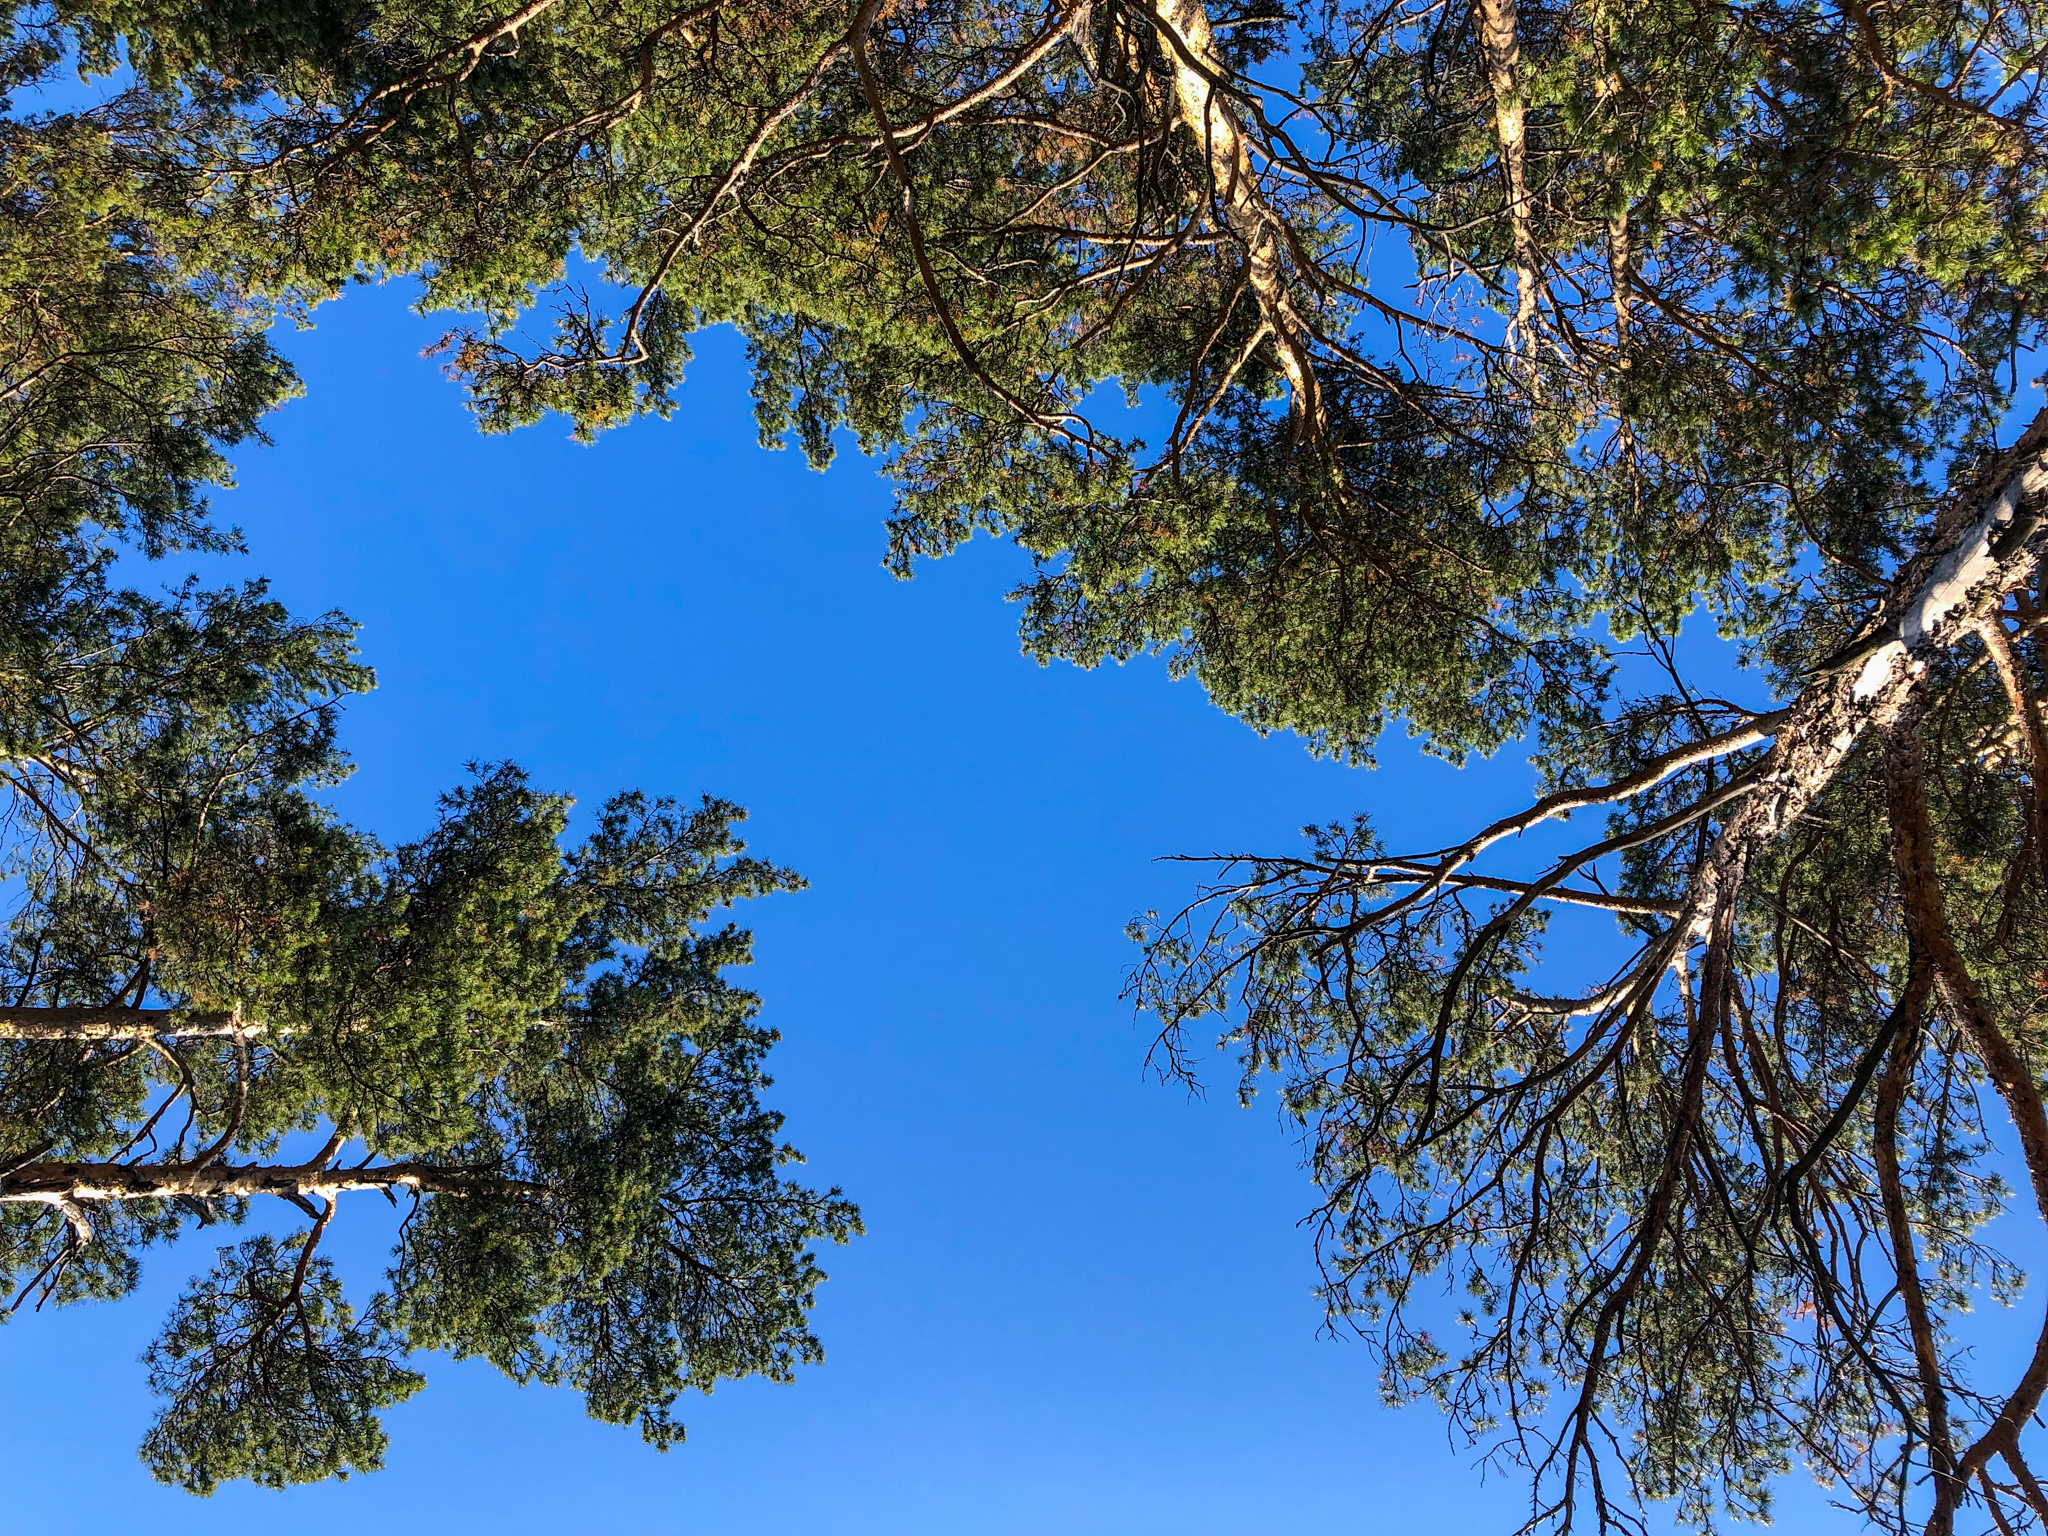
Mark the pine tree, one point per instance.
(220, 1002)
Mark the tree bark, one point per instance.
(1884, 1147)
(1913, 837)
(89, 1024)
(1985, 542)
(58, 1184)
(1199, 74)
(1501, 44)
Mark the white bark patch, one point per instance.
(1876, 673)
(1956, 575)
(1968, 563)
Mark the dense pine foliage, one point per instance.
(215, 996)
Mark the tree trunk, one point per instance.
(1985, 542)
(1199, 76)
(86, 1024)
(59, 1183)
(1500, 42)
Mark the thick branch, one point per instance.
(469, 51)
(1891, 1095)
(1751, 733)
(1392, 873)
(1984, 545)
(2026, 713)
(61, 1183)
(1198, 70)
(87, 1024)
(1913, 837)
(1502, 47)
(871, 89)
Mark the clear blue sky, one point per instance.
(1083, 1304)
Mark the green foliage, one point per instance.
(1825, 277)
(205, 974)
(271, 1376)
(133, 359)
(539, 1043)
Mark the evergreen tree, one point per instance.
(217, 997)
(1499, 340)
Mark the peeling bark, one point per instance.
(1618, 278)
(73, 1214)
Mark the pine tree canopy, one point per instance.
(1488, 344)
(220, 1002)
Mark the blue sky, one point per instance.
(1083, 1304)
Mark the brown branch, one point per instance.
(245, 1069)
(1927, 921)
(1392, 873)
(1903, 1020)
(737, 172)
(2026, 711)
(871, 89)
(2030, 1486)
(1034, 54)
(1986, 542)
(470, 50)
(1992, 1506)
(1891, 1094)
(1948, 96)
(1715, 994)
(1564, 802)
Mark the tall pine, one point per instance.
(220, 1003)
